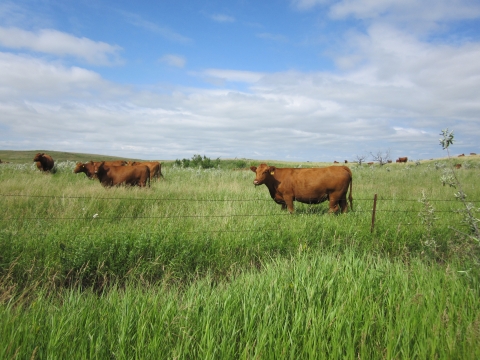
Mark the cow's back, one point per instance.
(310, 183)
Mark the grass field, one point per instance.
(205, 265)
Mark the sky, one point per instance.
(291, 80)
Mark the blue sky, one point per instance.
(299, 80)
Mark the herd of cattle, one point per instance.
(285, 185)
(110, 173)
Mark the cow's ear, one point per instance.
(272, 169)
(253, 168)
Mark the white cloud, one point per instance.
(233, 75)
(222, 18)
(273, 37)
(411, 10)
(163, 31)
(60, 44)
(308, 4)
(174, 60)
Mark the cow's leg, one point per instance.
(284, 206)
(289, 203)
(343, 204)
(333, 205)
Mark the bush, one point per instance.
(198, 161)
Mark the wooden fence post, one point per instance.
(373, 212)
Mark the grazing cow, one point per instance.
(309, 186)
(458, 166)
(44, 162)
(461, 155)
(89, 167)
(155, 168)
(402, 160)
(128, 175)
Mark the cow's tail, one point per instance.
(350, 195)
(350, 198)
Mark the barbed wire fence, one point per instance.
(372, 207)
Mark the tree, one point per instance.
(381, 157)
(360, 159)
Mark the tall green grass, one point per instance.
(205, 265)
(311, 306)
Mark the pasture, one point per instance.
(205, 265)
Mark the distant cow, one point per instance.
(155, 168)
(473, 154)
(335, 162)
(309, 186)
(458, 166)
(117, 175)
(402, 160)
(44, 162)
(370, 163)
(89, 167)
(346, 161)
(389, 161)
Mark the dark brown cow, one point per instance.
(155, 168)
(346, 161)
(402, 160)
(473, 154)
(335, 162)
(117, 175)
(461, 155)
(89, 167)
(389, 161)
(309, 186)
(44, 162)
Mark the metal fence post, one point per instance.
(373, 212)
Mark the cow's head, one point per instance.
(38, 157)
(263, 173)
(79, 168)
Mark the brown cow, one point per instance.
(461, 155)
(370, 163)
(155, 168)
(310, 186)
(335, 162)
(89, 167)
(458, 166)
(129, 175)
(44, 162)
(402, 160)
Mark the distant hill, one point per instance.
(22, 157)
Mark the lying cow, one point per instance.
(44, 162)
(138, 175)
(309, 186)
(155, 168)
(89, 167)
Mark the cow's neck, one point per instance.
(272, 185)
